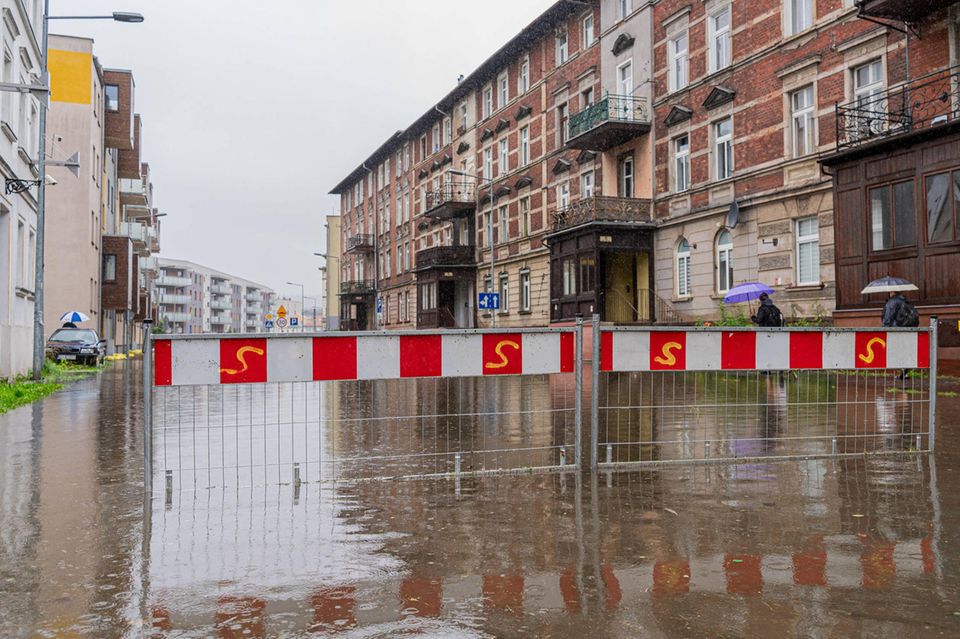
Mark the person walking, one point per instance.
(898, 311)
(768, 315)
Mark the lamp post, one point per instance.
(301, 301)
(489, 181)
(118, 16)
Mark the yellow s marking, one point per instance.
(243, 362)
(499, 351)
(870, 356)
(668, 358)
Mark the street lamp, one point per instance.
(118, 16)
(301, 301)
(489, 181)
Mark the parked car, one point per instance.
(81, 345)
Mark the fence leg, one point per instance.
(147, 407)
(169, 489)
(932, 428)
(595, 394)
(578, 398)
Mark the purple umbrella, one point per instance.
(746, 292)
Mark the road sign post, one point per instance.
(488, 301)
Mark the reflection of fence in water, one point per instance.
(710, 415)
(279, 432)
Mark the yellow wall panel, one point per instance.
(70, 76)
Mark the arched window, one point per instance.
(724, 262)
(683, 268)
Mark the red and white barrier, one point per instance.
(706, 350)
(246, 360)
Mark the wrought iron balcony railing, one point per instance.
(361, 242)
(441, 256)
(460, 193)
(612, 108)
(922, 103)
(356, 287)
(602, 209)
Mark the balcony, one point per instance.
(174, 317)
(439, 257)
(927, 104)
(149, 265)
(253, 309)
(220, 289)
(360, 243)
(452, 200)
(133, 192)
(138, 233)
(910, 11)
(172, 281)
(221, 319)
(153, 238)
(612, 121)
(171, 299)
(253, 297)
(221, 304)
(609, 211)
(356, 287)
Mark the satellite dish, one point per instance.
(733, 215)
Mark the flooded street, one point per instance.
(853, 547)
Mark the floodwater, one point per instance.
(851, 547)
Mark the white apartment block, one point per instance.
(197, 299)
(19, 142)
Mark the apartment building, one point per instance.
(19, 141)
(197, 299)
(895, 165)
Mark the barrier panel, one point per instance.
(719, 394)
(250, 409)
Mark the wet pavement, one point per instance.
(857, 547)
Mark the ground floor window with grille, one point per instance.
(683, 268)
(808, 251)
(724, 262)
(525, 297)
(504, 293)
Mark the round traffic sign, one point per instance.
(281, 322)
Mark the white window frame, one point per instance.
(488, 163)
(802, 123)
(447, 130)
(436, 137)
(719, 40)
(724, 257)
(464, 115)
(563, 195)
(683, 268)
(866, 94)
(799, 15)
(503, 157)
(679, 71)
(587, 28)
(625, 78)
(587, 185)
(503, 90)
(562, 47)
(625, 7)
(526, 298)
(723, 150)
(525, 146)
(524, 213)
(681, 163)
(563, 122)
(504, 290)
(523, 78)
(805, 240)
(487, 104)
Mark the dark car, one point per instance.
(81, 345)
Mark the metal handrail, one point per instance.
(616, 108)
(449, 191)
(602, 209)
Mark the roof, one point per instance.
(374, 159)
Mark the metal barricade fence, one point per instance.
(246, 410)
(686, 395)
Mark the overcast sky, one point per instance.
(253, 110)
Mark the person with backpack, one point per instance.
(898, 311)
(768, 315)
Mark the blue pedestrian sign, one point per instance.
(488, 301)
(294, 321)
(379, 305)
(268, 324)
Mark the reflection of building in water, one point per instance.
(880, 412)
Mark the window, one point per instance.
(503, 161)
(569, 272)
(463, 116)
(488, 228)
(399, 259)
(386, 262)
(562, 45)
(524, 205)
(587, 30)
(563, 195)
(867, 92)
(625, 7)
(503, 90)
(801, 121)
(523, 80)
(504, 293)
(801, 15)
(436, 138)
(447, 130)
(625, 78)
(109, 268)
(525, 297)
(681, 163)
(386, 309)
(723, 141)
(683, 268)
(423, 147)
(586, 97)
(724, 262)
(808, 251)
(487, 101)
(111, 94)
(524, 146)
(563, 120)
(625, 175)
(503, 222)
(487, 163)
(588, 271)
(719, 39)
(21, 254)
(677, 52)
(893, 221)
(942, 207)
(586, 184)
